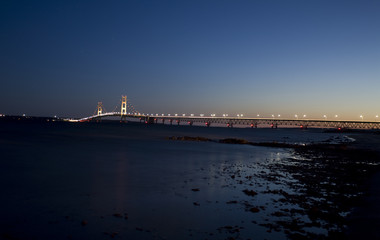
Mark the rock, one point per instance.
(254, 210)
(250, 192)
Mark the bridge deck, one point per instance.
(252, 122)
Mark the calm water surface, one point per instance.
(98, 181)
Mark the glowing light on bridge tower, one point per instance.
(123, 105)
(100, 108)
(123, 110)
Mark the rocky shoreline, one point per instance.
(321, 185)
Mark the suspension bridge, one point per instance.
(127, 111)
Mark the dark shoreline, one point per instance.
(350, 174)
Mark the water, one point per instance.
(127, 181)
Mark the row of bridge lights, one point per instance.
(191, 115)
(242, 115)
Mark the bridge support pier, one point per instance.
(149, 120)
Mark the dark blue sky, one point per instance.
(251, 57)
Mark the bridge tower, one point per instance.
(100, 111)
(100, 108)
(123, 110)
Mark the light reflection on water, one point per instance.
(60, 175)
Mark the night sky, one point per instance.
(250, 57)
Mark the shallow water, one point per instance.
(97, 181)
